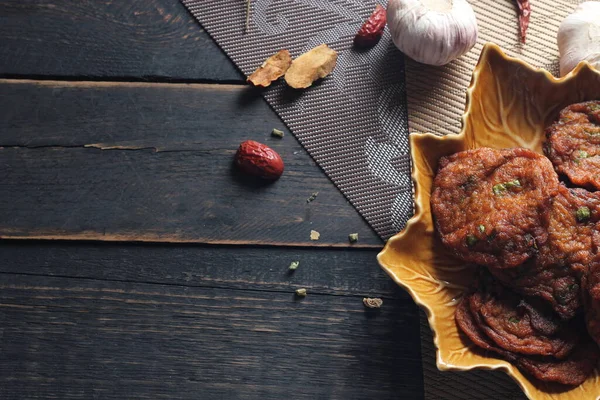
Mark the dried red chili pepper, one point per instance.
(524, 14)
(372, 30)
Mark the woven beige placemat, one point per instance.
(436, 95)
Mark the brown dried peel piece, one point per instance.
(310, 66)
(372, 302)
(272, 69)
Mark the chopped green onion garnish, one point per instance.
(471, 240)
(583, 214)
(500, 188)
(277, 132)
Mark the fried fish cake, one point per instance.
(591, 290)
(554, 274)
(571, 371)
(573, 144)
(519, 327)
(491, 206)
(467, 324)
(557, 284)
(573, 215)
(592, 316)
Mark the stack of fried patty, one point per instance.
(536, 239)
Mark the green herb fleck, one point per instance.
(312, 197)
(294, 265)
(501, 188)
(353, 237)
(469, 182)
(513, 184)
(573, 287)
(514, 320)
(595, 106)
(561, 298)
(592, 132)
(564, 294)
(481, 228)
(581, 154)
(301, 292)
(490, 238)
(583, 214)
(277, 132)
(471, 240)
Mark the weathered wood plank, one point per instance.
(133, 39)
(324, 271)
(83, 339)
(153, 162)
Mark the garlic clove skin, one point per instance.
(579, 37)
(433, 32)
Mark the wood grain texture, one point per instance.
(125, 39)
(325, 271)
(154, 162)
(82, 339)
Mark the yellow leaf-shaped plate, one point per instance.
(509, 103)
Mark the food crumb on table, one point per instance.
(278, 133)
(312, 197)
(314, 235)
(372, 302)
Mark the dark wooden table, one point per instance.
(152, 269)
(136, 263)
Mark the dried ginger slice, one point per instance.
(314, 64)
(272, 69)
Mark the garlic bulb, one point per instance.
(432, 32)
(579, 37)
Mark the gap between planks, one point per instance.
(311, 291)
(124, 238)
(126, 84)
